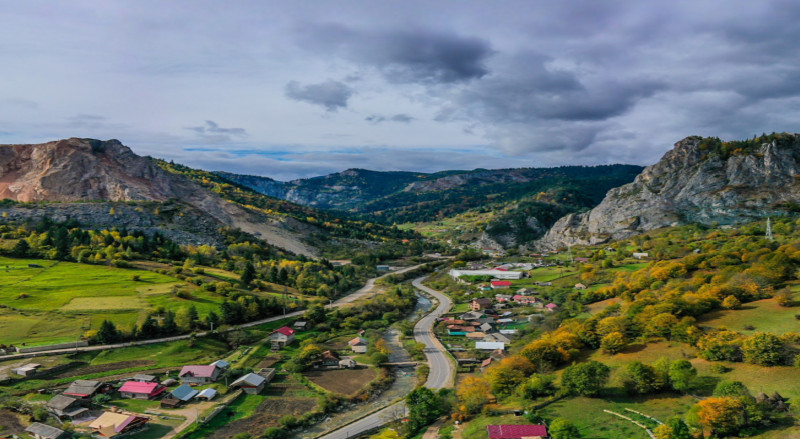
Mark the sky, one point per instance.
(304, 88)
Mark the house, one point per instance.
(497, 274)
(329, 359)
(199, 374)
(282, 336)
(486, 363)
(207, 394)
(551, 307)
(251, 383)
(142, 378)
(141, 390)
(460, 330)
(169, 382)
(44, 431)
(268, 373)
(347, 363)
(183, 393)
(497, 337)
(84, 389)
(490, 345)
(523, 300)
(641, 255)
(65, 407)
(300, 325)
(479, 304)
(502, 297)
(111, 424)
(581, 260)
(221, 364)
(482, 320)
(358, 345)
(501, 284)
(471, 315)
(485, 327)
(544, 284)
(505, 321)
(517, 431)
(26, 370)
(484, 287)
(476, 335)
(382, 267)
(580, 286)
(524, 292)
(497, 354)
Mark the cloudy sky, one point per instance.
(303, 88)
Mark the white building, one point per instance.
(497, 274)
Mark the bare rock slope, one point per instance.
(89, 170)
(692, 183)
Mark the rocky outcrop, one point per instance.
(690, 184)
(89, 170)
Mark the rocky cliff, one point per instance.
(89, 170)
(701, 180)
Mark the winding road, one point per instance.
(441, 372)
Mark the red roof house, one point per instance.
(199, 374)
(498, 284)
(140, 390)
(282, 336)
(551, 306)
(516, 431)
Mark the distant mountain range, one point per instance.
(544, 194)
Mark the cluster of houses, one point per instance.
(487, 324)
(73, 403)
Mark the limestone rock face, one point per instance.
(690, 185)
(90, 170)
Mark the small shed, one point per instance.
(44, 431)
(27, 369)
(580, 286)
(184, 393)
(207, 394)
(490, 345)
(347, 363)
(221, 364)
(300, 325)
(65, 407)
(142, 378)
(250, 383)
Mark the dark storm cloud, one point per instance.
(378, 118)
(330, 94)
(211, 132)
(404, 56)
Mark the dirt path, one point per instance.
(433, 431)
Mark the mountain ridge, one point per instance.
(701, 180)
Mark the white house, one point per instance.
(282, 336)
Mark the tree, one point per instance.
(248, 274)
(731, 302)
(641, 378)
(506, 376)
(20, 249)
(763, 348)
(275, 433)
(682, 375)
(108, 333)
(731, 388)
(721, 416)
(473, 393)
(423, 408)
(613, 343)
(538, 385)
(585, 378)
(674, 428)
(784, 297)
(562, 428)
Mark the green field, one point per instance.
(762, 315)
(55, 302)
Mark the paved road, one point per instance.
(364, 291)
(441, 369)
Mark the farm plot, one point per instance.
(268, 413)
(343, 381)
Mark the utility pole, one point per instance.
(769, 230)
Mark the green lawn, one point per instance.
(55, 302)
(763, 315)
